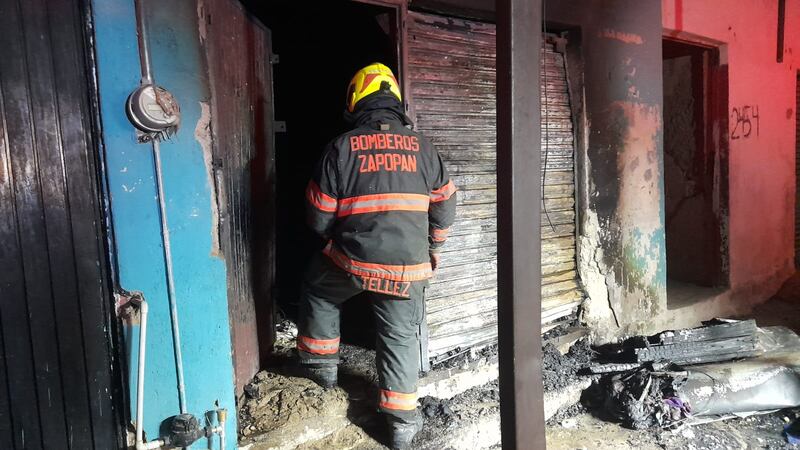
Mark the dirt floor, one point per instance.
(279, 399)
(783, 309)
(588, 432)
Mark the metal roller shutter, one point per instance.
(451, 87)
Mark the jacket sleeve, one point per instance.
(442, 209)
(322, 193)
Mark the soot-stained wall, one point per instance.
(617, 94)
(614, 65)
(621, 238)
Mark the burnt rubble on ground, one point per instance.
(718, 340)
(559, 371)
(459, 357)
(722, 370)
(668, 381)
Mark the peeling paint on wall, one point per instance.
(597, 311)
(202, 21)
(621, 241)
(202, 133)
(622, 256)
(640, 206)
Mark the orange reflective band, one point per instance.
(319, 199)
(398, 400)
(439, 235)
(318, 346)
(413, 272)
(444, 192)
(382, 202)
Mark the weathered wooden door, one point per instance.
(239, 52)
(58, 388)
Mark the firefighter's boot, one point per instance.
(324, 375)
(402, 433)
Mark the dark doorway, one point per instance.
(319, 49)
(694, 182)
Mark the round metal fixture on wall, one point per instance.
(154, 111)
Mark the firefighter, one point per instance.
(382, 199)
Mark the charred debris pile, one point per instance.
(724, 369)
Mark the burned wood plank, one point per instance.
(719, 331)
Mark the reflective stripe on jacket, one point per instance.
(382, 196)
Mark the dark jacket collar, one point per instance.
(375, 110)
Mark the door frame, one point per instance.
(116, 297)
(716, 86)
(400, 10)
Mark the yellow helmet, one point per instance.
(369, 80)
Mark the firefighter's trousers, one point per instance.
(398, 309)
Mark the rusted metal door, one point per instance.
(451, 71)
(58, 386)
(239, 52)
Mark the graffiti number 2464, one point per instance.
(742, 119)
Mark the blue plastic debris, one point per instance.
(792, 432)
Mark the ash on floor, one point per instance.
(461, 358)
(588, 432)
(446, 418)
(558, 371)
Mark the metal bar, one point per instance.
(147, 78)
(402, 64)
(144, 45)
(173, 306)
(519, 41)
(781, 28)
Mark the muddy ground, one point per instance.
(590, 433)
(278, 399)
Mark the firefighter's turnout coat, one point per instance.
(382, 198)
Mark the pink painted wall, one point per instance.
(762, 166)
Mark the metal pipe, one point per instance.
(781, 28)
(147, 78)
(173, 307)
(222, 414)
(140, 444)
(144, 45)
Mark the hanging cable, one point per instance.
(546, 116)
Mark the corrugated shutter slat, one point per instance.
(451, 68)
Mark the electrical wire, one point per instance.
(546, 115)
